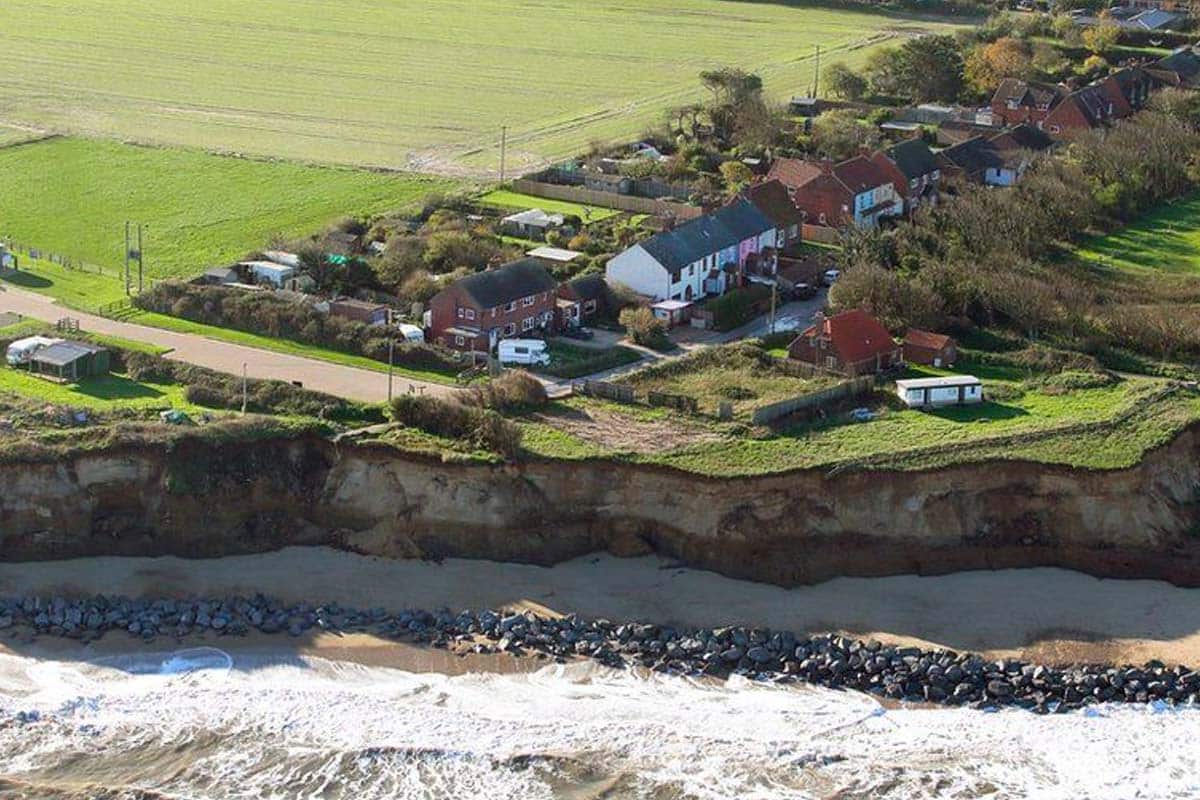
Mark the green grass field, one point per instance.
(910, 439)
(399, 83)
(73, 196)
(1167, 240)
(105, 393)
(519, 202)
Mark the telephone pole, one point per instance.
(139, 258)
(391, 351)
(503, 149)
(817, 74)
(126, 258)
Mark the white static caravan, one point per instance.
(22, 350)
(952, 390)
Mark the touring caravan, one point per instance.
(22, 350)
(523, 351)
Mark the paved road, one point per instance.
(322, 376)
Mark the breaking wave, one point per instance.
(201, 723)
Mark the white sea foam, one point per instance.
(201, 724)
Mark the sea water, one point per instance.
(201, 723)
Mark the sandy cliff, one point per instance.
(205, 499)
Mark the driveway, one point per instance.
(796, 315)
(350, 383)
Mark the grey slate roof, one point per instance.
(63, 353)
(496, 287)
(703, 236)
(589, 287)
(974, 156)
(912, 157)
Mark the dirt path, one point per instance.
(322, 376)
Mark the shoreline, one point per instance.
(639, 613)
(1051, 616)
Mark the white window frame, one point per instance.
(460, 341)
(511, 307)
(589, 306)
(528, 324)
(510, 329)
(461, 312)
(528, 301)
(470, 313)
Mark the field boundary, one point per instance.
(592, 197)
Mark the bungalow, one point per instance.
(554, 257)
(851, 343)
(999, 160)
(914, 171)
(951, 390)
(930, 349)
(70, 361)
(704, 256)
(268, 272)
(476, 312)
(359, 311)
(582, 299)
(772, 199)
(1181, 68)
(531, 224)
(853, 192)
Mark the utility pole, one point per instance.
(817, 74)
(139, 258)
(774, 290)
(391, 350)
(126, 258)
(243, 388)
(503, 149)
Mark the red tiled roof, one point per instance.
(771, 198)
(930, 341)
(860, 174)
(856, 335)
(793, 172)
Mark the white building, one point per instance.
(951, 390)
(704, 256)
(269, 272)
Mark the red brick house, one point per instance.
(517, 299)
(851, 343)
(856, 191)
(582, 299)
(771, 197)
(931, 349)
(1016, 101)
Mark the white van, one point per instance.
(411, 333)
(22, 350)
(523, 351)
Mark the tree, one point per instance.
(988, 64)
(931, 69)
(736, 175)
(730, 85)
(1102, 37)
(643, 327)
(843, 82)
(841, 134)
(883, 70)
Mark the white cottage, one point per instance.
(705, 256)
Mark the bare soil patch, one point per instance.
(626, 432)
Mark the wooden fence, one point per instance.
(854, 387)
(679, 402)
(591, 197)
(617, 392)
(66, 262)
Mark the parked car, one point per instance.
(582, 334)
(862, 415)
(523, 351)
(831, 276)
(804, 291)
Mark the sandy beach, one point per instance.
(1044, 615)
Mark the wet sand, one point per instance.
(1046, 615)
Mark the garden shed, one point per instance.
(70, 361)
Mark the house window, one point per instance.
(830, 362)
(1013, 105)
(470, 313)
(527, 324)
(461, 313)
(589, 306)
(511, 306)
(460, 341)
(1055, 129)
(821, 219)
(510, 329)
(528, 301)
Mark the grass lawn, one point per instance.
(520, 202)
(908, 439)
(76, 288)
(721, 375)
(73, 196)
(402, 83)
(1167, 239)
(106, 393)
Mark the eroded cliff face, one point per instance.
(205, 499)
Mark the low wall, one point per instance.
(578, 194)
(851, 388)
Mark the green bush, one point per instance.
(514, 391)
(481, 428)
(737, 307)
